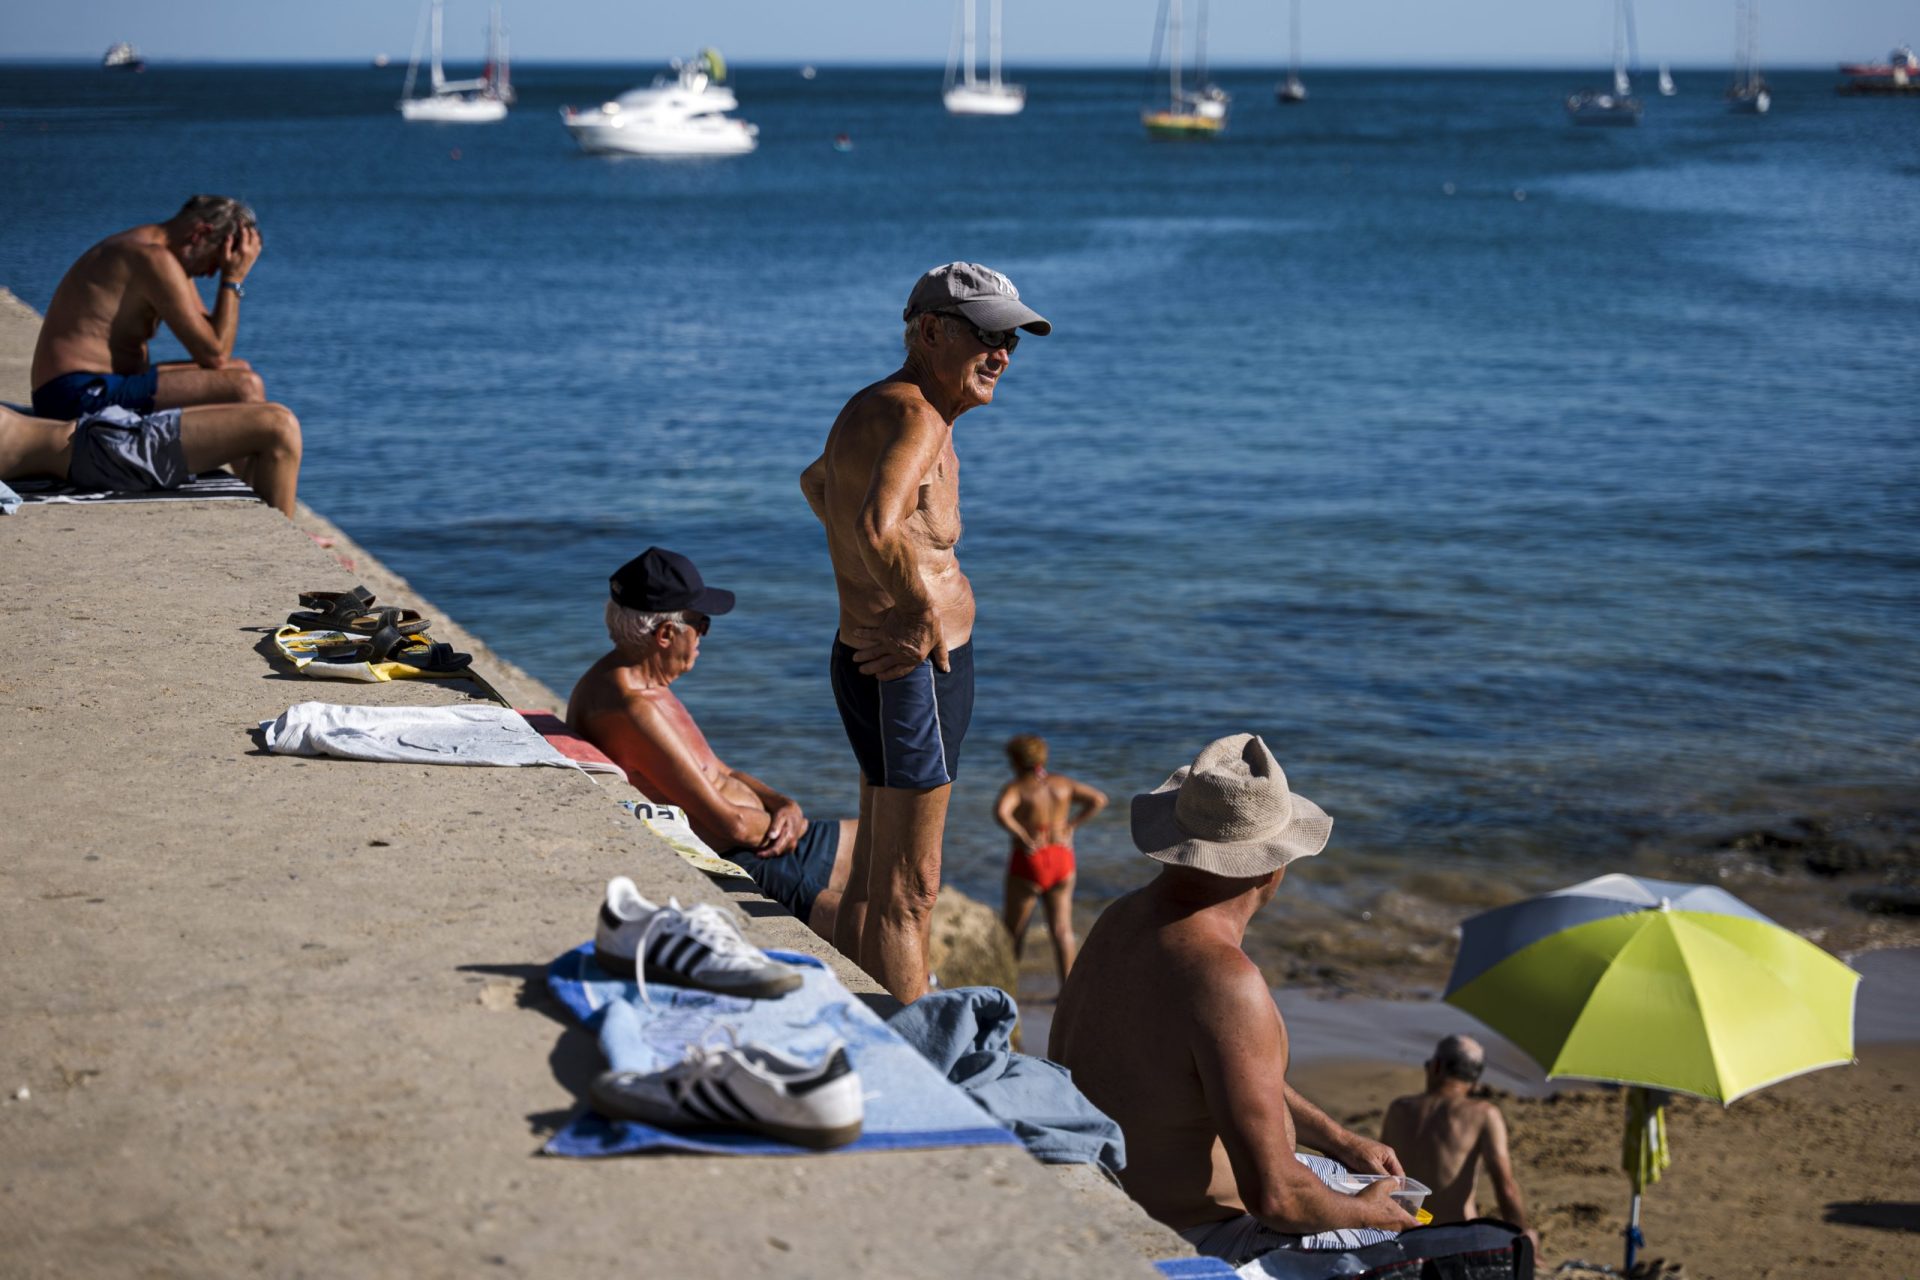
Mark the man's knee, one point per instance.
(912, 891)
(285, 430)
(250, 386)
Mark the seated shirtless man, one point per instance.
(659, 611)
(1040, 810)
(1444, 1134)
(124, 452)
(1170, 1028)
(93, 344)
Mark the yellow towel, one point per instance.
(298, 647)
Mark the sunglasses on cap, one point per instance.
(991, 339)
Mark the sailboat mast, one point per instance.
(993, 46)
(1200, 49)
(439, 75)
(972, 79)
(1173, 58)
(1293, 46)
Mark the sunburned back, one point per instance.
(646, 731)
(1121, 1029)
(1438, 1141)
(100, 320)
(870, 422)
(1042, 806)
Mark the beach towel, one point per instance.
(570, 744)
(208, 486)
(908, 1103)
(967, 1033)
(1194, 1269)
(463, 734)
(299, 648)
(9, 500)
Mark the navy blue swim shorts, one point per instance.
(906, 733)
(72, 395)
(795, 879)
(123, 452)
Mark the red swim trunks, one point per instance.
(1046, 866)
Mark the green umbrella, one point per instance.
(1666, 986)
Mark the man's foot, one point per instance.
(743, 1087)
(697, 947)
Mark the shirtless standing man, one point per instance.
(887, 488)
(1171, 1029)
(658, 612)
(1442, 1136)
(93, 344)
(1041, 810)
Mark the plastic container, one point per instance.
(1408, 1193)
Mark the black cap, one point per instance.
(660, 581)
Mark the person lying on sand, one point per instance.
(1169, 1027)
(92, 350)
(1443, 1135)
(124, 452)
(1040, 810)
(658, 613)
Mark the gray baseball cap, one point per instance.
(979, 293)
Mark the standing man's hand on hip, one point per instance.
(899, 644)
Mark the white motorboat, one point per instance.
(1667, 88)
(1749, 94)
(121, 56)
(681, 115)
(969, 95)
(1620, 107)
(480, 101)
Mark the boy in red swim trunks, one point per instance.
(1041, 810)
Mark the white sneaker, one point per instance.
(742, 1087)
(698, 947)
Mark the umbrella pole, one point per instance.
(1634, 1239)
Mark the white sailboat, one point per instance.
(1200, 113)
(1620, 107)
(1290, 90)
(480, 101)
(682, 116)
(968, 95)
(1749, 94)
(1666, 82)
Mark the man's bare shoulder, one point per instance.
(890, 405)
(1223, 986)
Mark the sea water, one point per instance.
(1532, 489)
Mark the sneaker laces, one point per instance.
(706, 924)
(705, 1059)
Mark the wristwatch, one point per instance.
(234, 285)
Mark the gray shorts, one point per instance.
(122, 451)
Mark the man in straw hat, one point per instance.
(1170, 1029)
(887, 489)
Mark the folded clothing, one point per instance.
(908, 1104)
(472, 733)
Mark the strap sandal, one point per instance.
(389, 644)
(352, 611)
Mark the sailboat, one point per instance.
(1201, 113)
(1290, 90)
(1666, 82)
(480, 101)
(1595, 106)
(1749, 94)
(969, 95)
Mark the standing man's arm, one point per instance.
(909, 632)
(1317, 1129)
(1506, 1188)
(1083, 802)
(208, 339)
(785, 821)
(813, 486)
(1240, 1050)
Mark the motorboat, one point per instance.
(480, 101)
(1899, 74)
(1618, 107)
(678, 115)
(968, 94)
(1198, 113)
(121, 56)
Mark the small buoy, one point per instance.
(1520, 194)
(842, 142)
(454, 154)
(1446, 188)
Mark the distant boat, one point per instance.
(1899, 74)
(1200, 113)
(807, 72)
(1748, 95)
(381, 60)
(1620, 107)
(682, 116)
(1666, 82)
(1291, 91)
(968, 95)
(122, 56)
(480, 101)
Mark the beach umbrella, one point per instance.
(1651, 983)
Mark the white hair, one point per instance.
(911, 338)
(630, 628)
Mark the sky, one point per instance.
(1038, 32)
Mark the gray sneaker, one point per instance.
(742, 1087)
(688, 947)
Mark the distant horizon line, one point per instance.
(882, 64)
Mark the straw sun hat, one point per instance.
(1229, 813)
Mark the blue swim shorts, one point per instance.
(125, 452)
(73, 394)
(906, 733)
(795, 879)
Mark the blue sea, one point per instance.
(1541, 494)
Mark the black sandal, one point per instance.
(352, 611)
(388, 644)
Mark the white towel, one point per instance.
(468, 733)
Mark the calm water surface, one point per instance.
(1530, 489)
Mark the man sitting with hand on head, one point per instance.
(659, 611)
(1169, 1027)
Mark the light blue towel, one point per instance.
(908, 1104)
(967, 1033)
(10, 501)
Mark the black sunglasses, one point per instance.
(991, 339)
(700, 622)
